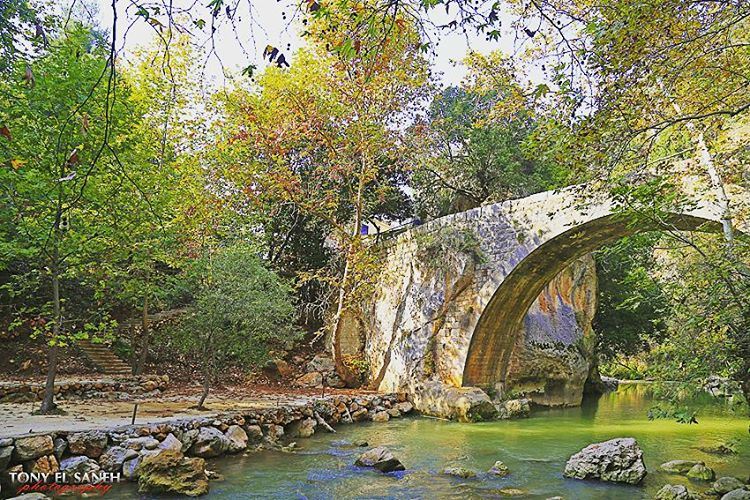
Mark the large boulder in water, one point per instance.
(701, 472)
(618, 460)
(740, 494)
(171, 473)
(465, 404)
(724, 485)
(381, 459)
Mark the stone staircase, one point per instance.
(104, 359)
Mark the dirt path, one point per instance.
(16, 418)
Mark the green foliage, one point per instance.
(477, 145)
(680, 415)
(632, 308)
(439, 250)
(240, 311)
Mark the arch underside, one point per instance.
(493, 340)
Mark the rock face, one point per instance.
(675, 492)
(312, 379)
(91, 444)
(554, 352)
(459, 472)
(32, 447)
(112, 459)
(381, 459)
(678, 466)
(737, 495)
(171, 473)
(210, 442)
(726, 484)
(80, 464)
(237, 439)
(700, 472)
(499, 469)
(617, 460)
(465, 404)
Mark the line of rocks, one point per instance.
(116, 388)
(169, 457)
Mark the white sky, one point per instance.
(269, 23)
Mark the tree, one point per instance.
(61, 175)
(322, 139)
(475, 147)
(240, 310)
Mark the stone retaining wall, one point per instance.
(21, 391)
(123, 449)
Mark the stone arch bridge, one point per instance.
(500, 298)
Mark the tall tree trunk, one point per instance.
(145, 334)
(707, 162)
(48, 402)
(338, 358)
(206, 385)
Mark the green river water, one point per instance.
(535, 450)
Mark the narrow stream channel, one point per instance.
(534, 449)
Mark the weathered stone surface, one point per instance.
(130, 468)
(80, 464)
(737, 495)
(678, 466)
(499, 469)
(675, 492)
(6, 453)
(211, 442)
(312, 379)
(30, 496)
(726, 484)
(6, 442)
(321, 363)
(380, 416)
(113, 458)
(29, 448)
(237, 438)
(514, 408)
(332, 379)
(467, 316)
(91, 443)
(170, 442)
(275, 432)
(170, 472)
(404, 407)
(701, 472)
(465, 404)
(254, 433)
(47, 464)
(139, 443)
(60, 446)
(618, 460)
(381, 459)
(459, 472)
(303, 428)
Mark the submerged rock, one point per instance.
(514, 408)
(726, 484)
(381, 459)
(739, 494)
(459, 472)
(678, 466)
(499, 469)
(617, 460)
(171, 472)
(674, 492)
(700, 472)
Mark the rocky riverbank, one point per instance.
(168, 457)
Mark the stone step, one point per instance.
(104, 359)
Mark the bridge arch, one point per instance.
(494, 337)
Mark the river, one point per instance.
(535, 450)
